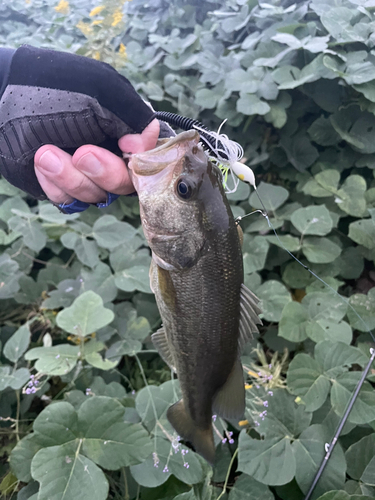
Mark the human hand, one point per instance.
(92, 171)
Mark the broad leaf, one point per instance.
(85, 315)
(16, 346)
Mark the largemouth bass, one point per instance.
(196, 275)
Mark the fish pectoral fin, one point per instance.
(160, 341)
(229, 402)
(201, 439)
(249, 316)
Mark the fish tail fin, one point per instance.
(201, 439)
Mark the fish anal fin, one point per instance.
(201, 439)
(229, 402)
(249, 316)
(160, 341)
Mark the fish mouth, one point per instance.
(154, 161)
(153, 234)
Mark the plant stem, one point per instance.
(123, 473)
(17, 415)
(228, 474)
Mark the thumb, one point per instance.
(137, 143)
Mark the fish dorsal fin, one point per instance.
(229, 402)
(160, 341)
(249, 316)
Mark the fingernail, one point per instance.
(50, 162)
(90, 165)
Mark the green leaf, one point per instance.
(314, 219)
(110, 232)
(296, 276)
(16, 346)
(322, 132)
(21, 457)
(311, 378)
(272, 196)
(287, 241)
(363, 316)
(359, 455)
(13, 379)
(308, 453)
(305, 378)
(85, 315)
(330, 330)
(64, 473)
(34, 236)
(101, 281)
(247, 488)
(163, 397)
(363, 232)
(113, 390)
(186, 467)
(133, 278)
(350, 198)
(250, 104)
(320, 250)
(356, 128)
(273, 296)
(64, 295)
(97, 361)
(9, 276)
(364, 408)
(254, 253)
(6, 208)
(284, 416)
(269, 461)
(57, 360)
(108, 441)
(86, 250)
(293, 322)
(334, 355)
(368, 476)
(206, 98)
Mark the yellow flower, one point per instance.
(85, 28)
(96, 22)
(62, 7)
(96, 10)
(96, 55)
(117, 18)
(248, 386)
(122, 50)
(243, 422)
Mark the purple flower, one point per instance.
(165, 469)
(265, 403)
(186, 465)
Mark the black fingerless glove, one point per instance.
(50, 97)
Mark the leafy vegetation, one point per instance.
(83, 394)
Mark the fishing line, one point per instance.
(229, 153)
(330, 446)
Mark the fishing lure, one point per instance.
(224, 152)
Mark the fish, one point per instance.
(197, 276)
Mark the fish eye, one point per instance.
(184, 189)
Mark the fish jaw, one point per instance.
(156, 167)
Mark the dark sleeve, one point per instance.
(44, 68)
(5, 61)
(51, 97)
